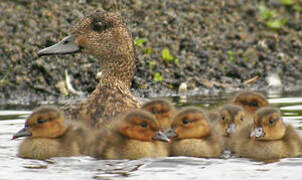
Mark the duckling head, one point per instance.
(231, 118)
(104, 35)
(162, 109)
(250, 101)
(44, 122)
(190, 122)
(141, 125)
(268, 125)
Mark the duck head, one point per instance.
(141, 125)
(250, 101)
(162, 109)
(44, 122)
(104, 35)
(268, 125)
(231, 118)
(190, 122)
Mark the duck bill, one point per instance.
(257, 133)
(66, 46)
(231, 129)
(161, 136)
(22, 133)
(170, 133)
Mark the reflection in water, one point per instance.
(84, 167)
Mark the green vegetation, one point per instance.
(294, 4)
(270, 18)
(230, 56)
(139, 42)
(157, 77)
(167, 57)
(4, 80)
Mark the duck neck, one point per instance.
(117, 71)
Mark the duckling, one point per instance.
(232, 119)
(47, 135)
(105, 36)
(269, 138)
(250, 101)
(192, 135)
(163, 111)
(135, 135)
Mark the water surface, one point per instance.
(12, 167)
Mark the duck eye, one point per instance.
(271, 120)
(143, 124)
(40, 120)
(185, 121)
(223, 117)
(98, 26)
(254, 103)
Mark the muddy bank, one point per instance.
(212, 46)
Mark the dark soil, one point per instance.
(219, 44)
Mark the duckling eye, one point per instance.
(254, 103)
(223, 118)
(98, 26)
(153, 111)
(40, 120)
(143, 124)
(271, 120)
(185, 121)
(241, 119)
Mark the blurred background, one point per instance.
(209, 46)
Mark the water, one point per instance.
(12, 167)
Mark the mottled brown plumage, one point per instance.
(135, 135)
(269, 138)
(105, 36)
(48, 135)
(193, 135)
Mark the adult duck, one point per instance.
(106, 36)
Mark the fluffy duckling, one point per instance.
(136, 135)
(47, 135)
(269, 138)
(105, 36)
(250, 101)
(192, 135)
(163, 111)
(231, 119)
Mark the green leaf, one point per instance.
(165, 53)
(265, 13)
(287, 2)
(230, 56)
(139, 42)
(276, 24)
(148, 51)
(157, 77)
